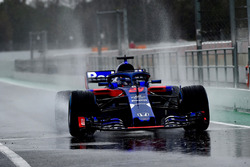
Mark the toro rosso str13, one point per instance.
(127, 101)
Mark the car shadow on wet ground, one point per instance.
(171, 140)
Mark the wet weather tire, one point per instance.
(195, 99)
(61, 111)
(81, 103)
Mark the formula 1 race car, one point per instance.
(129, 102)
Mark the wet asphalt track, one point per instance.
(27, 128)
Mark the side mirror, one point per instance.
(103, 84)
(155, 81)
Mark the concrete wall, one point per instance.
(59, 81)
(224, 98)
(232, 98)
(229, 98)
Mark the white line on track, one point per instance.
(32, 85)
(35, 138)
(15, 158)
(227, 124)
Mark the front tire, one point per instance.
(194, 100)
(81, 104)
(61, 111)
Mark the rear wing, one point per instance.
(97, 76)
(101, 76)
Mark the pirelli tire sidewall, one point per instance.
(61, 110)
(195, 99)
(81, 103)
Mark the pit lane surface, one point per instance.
(27, 129)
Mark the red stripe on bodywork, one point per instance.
(140, 89)
(107, 91)
(157, 89)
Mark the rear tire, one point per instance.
(195, 99)
(81, 103)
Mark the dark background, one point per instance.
(149, 21)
